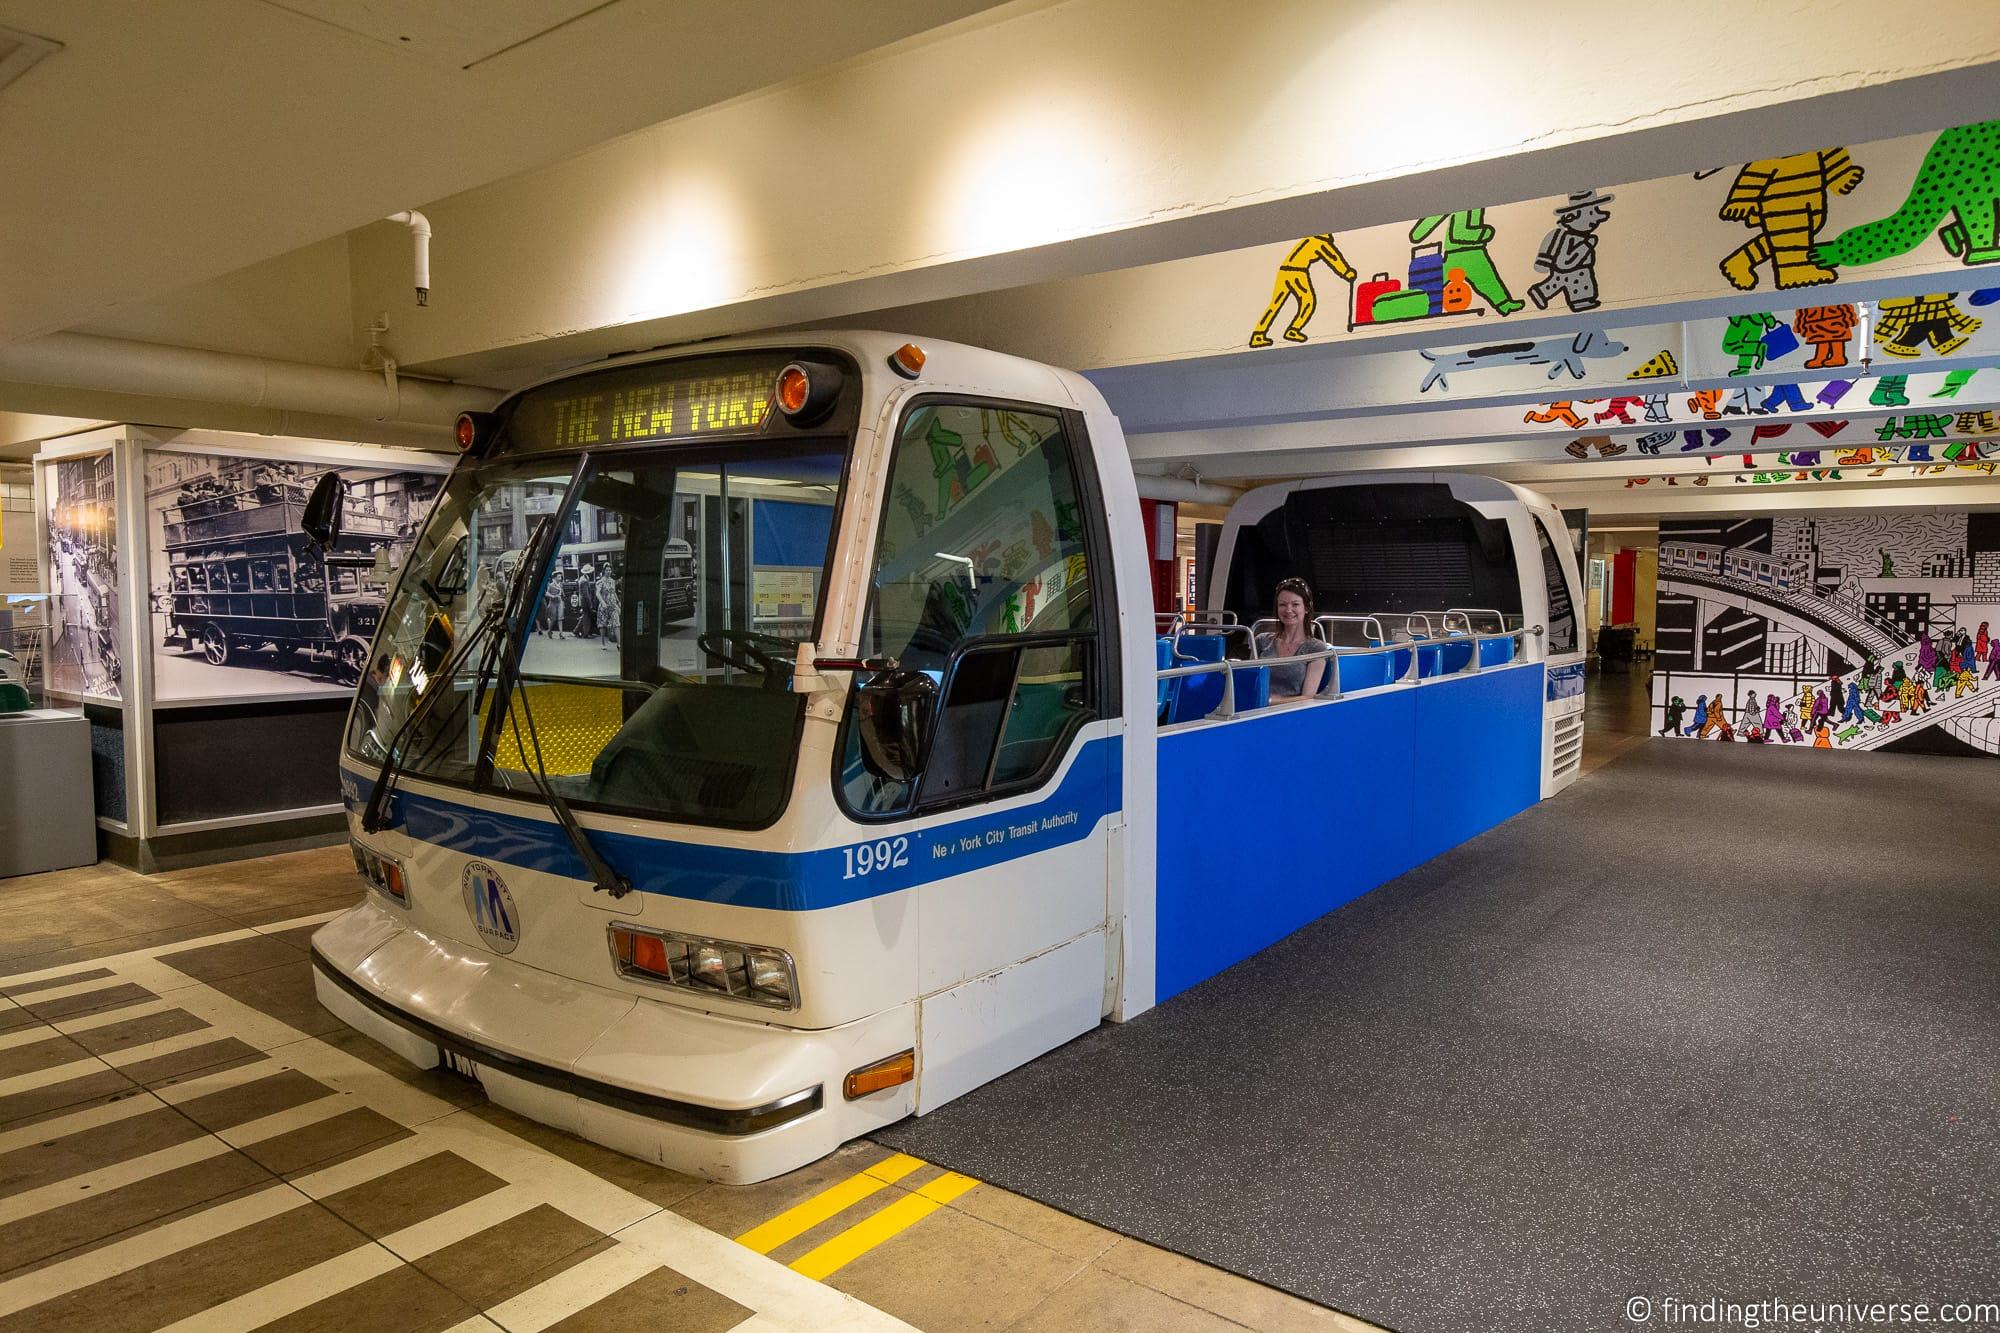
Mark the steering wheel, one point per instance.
(755, 651)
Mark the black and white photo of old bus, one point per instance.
(242, 603)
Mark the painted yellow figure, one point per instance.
(1784, 200)
(1907, 323)
(1295, 283)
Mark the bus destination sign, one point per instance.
(652, 403)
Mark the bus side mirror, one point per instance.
(321, 520)
(895, 711)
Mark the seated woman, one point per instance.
(1291, 681)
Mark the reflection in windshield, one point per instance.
(453, 576)
(656, 664)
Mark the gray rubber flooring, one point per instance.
(1718, 1021)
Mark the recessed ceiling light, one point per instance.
(19, 51)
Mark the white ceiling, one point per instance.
(446, 34)
(167, 144)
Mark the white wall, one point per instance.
(19, 570)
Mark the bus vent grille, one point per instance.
(1568, 747)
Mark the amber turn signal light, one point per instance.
(807, 390)
(907, 361)
(467, 432)
(794, 387)
(889, 1073)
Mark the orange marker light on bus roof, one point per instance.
(467, 431)
(794, 387)
(889, 1073)
(907, 361)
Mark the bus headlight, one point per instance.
(750, 972)
(771, 975)
(384, 872)
(717, 968)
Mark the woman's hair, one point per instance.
(1304, 592)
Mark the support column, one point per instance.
(1158, 517)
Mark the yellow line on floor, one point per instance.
(892, 1220)
(801, 1218)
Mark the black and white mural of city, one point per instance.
(83, 658)
(1835, 631)
(239, 602)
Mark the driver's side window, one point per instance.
(982, 582)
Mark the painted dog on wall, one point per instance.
(1565, 352)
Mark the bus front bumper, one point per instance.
(725, 1099)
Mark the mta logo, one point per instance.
(490, 906)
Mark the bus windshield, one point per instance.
(656, 665)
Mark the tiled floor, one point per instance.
(188, 1140)
(1617, 714)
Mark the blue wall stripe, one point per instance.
(778, 881)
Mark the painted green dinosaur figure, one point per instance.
(1959, 180)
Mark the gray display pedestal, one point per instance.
(47, 813)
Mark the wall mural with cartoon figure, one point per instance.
(1783, 200)
(1813, 218)
(1294, 286)
(1449, 272)
(1953, 194)
(1568, 257)
(1833, 631)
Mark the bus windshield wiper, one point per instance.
(375, 815)
(522, 594)
(606, 877)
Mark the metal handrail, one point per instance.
(1409, 618)
(1168, 621)
(1268, 622)
(1411, 677)
(1465, 613)
(1218, 628)
(1371, 626)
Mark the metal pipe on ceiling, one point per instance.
(1181, 489)
(120, 365)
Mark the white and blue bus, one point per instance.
(921, 788)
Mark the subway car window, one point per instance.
(1562, 606)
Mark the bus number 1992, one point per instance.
(868, 857)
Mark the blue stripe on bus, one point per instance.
(778, 881)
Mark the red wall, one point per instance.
(1624, 582)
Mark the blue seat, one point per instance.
(1201, 648)
(1253, 687)
(1496, 652)
(1396, 665)
(1454, 657)
(1199, 695)
(1430, 658)
(1365, 673)
(1171, 686)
